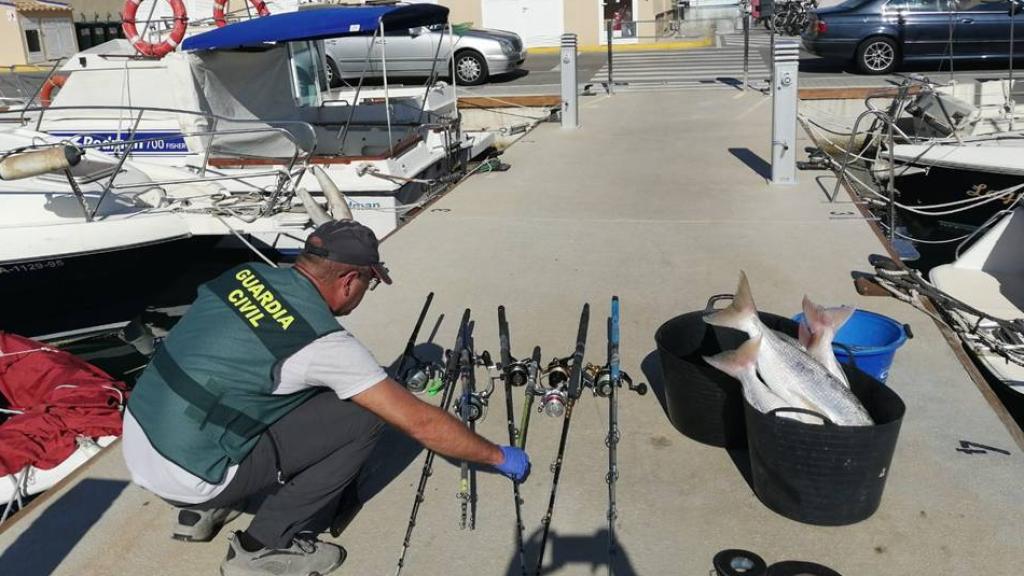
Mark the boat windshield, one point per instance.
(306, 73)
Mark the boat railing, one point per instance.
(287, 175)
(889, 123)
(286, 129)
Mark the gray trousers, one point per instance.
(320, 447)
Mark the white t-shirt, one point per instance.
(337, 361)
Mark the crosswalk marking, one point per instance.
(701, 69)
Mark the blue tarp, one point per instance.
(316, 25)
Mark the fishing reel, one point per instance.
(477, 406)
(555, 396)
(476, 402)
(519, 373)
(599, 379)
(421, 375)
(553, 402)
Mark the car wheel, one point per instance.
(470, 68)
(877, 55)
(333, 76)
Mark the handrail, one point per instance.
(206, 115)
(285, 175)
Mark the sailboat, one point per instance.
(987, 283)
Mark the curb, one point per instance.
(649, 47)
(23, 68)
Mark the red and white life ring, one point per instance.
(219, 5)
(52, 83)
(147, 48)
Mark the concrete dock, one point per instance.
(660, 198)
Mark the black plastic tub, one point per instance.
(825, 474)
(704, 403)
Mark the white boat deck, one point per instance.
(658, 198)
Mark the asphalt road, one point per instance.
(541, 72)
(713, 67)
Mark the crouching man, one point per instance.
(259, 389)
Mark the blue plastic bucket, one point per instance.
(872, 339)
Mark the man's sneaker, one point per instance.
(201, 525)
(305, 557)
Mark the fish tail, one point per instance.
(839, 316)
(739, 314)
(818, 318)
(805, 336)
(738, 362)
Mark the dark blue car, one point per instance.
(880, 34)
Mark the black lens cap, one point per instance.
(799, 568)
(739, 563)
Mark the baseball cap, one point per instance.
(348, 242)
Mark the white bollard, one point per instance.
(785, 99)
(570, 87)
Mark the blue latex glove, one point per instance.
(515, 464)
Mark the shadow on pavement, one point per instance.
(569, 551)
(44, 544)
(508, 77)
(753, 161)
(395, 451)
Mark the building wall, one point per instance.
(582, 17)
(103, 10)
(12, 43)
(465, 11)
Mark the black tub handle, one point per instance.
(849, 353)
(908, 331)
(710, 306)
(825, 419)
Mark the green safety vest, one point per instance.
(207, 396)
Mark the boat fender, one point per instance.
(335, 199)
(36, 162)
(316, 212)
(161, 49)
(220, 5)
(739, 563)
(52, 83)
(798, 568)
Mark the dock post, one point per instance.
(785, 99)
(570, 87)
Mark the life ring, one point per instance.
(219, 5)
(147, 48)
(52, 83)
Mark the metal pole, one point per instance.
(1011, 104)
(892, 181)
(570, 86)
(771, 28)
(785, 65)
(746, 43)
(608, 33)
(387, 101)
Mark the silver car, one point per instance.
(479, 54)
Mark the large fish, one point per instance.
(741, 364)
(790, 372)
(818, 329)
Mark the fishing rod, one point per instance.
(573, 390)
(471, 407)
(451, 373)
(465, 408)
(513, 374)
(533, 375)
(420, 373)
(608, 387)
